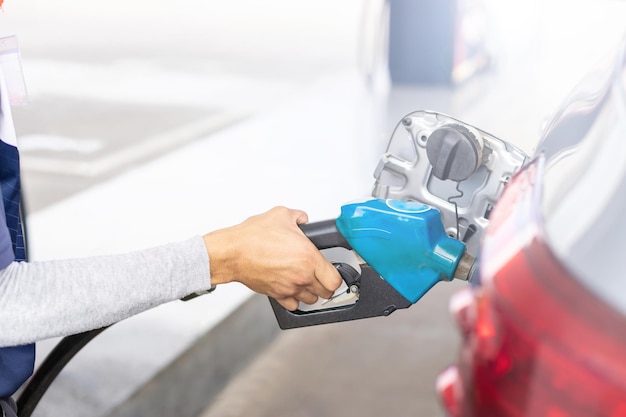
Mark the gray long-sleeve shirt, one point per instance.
(39, 300)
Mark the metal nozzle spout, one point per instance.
(464, 268)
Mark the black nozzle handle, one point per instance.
(325, 235)
(376, 298)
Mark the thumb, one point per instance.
(299, 216)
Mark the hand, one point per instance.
(271, 255)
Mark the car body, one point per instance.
(544, 327)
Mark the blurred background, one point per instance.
(150, 121)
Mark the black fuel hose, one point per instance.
(50, 368)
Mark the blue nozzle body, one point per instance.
(403, 241)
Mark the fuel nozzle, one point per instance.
(405, 242)
(403, 251)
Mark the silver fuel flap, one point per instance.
(448, 164)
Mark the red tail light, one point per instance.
(535, 341)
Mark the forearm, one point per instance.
(39, 300)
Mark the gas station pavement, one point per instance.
(373, 367)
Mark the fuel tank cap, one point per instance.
(454, 152)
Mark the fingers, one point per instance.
(307, 297)
(317, 288)
(290, 304)
(328, 277)
(324, 283)
(304, 296)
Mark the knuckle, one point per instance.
(279, 210)
(301, 281)
(291, 291)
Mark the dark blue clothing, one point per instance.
(16, 363)
(10, 183)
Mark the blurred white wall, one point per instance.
(321, 35)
